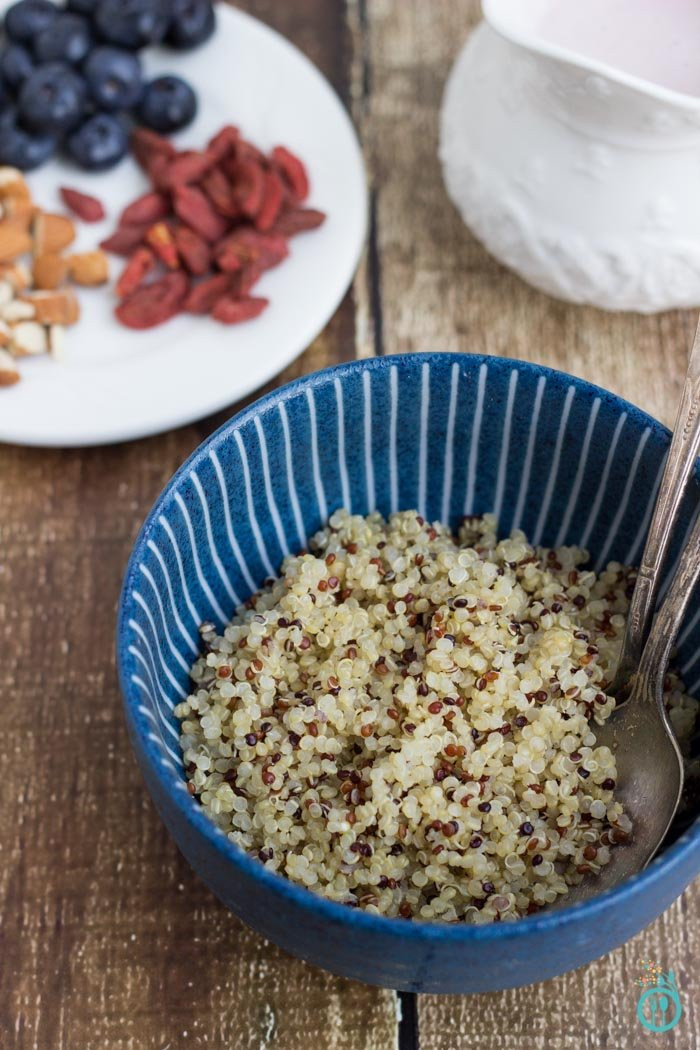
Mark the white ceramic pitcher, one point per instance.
(581, 177)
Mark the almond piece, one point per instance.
(9, 373)
(19, 212)
(58, 307)
(29, 338)
(5, 333)
(17, 310)
(52, 233)
(16, 273)
(49, 270)
(7, 293)
(13, 184)
(88, 268)
(14, 241)
(57, 341)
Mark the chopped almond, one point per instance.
(14, 241)
(29, 338)
(13, 184)
(49, 270)
(52, 233)
(17, 310)
(57, 307)
(34, 308)
(7, 293)
(89, 268)
(57, 341)
(16, 273)
(19, 212)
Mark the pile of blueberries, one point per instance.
(71, 76)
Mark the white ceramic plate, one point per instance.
(116, 384)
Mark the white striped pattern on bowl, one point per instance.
(447, 434)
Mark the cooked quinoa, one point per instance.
(404, 720)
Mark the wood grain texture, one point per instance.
(108, 940)
(438, 289)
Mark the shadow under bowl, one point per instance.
(447, 434)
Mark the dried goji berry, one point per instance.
(229, 207)
(87, 208)
(247, 151)
(221, 193)
(186, 167)
(247, 245)
(273, 196)
(293, 171)
(196, 210)
(146, 144)
(229, 259)
(157, 170)
(159, 237)
(298, 220)
(249, 185)
(201, 297)
(146, 209)
(154, 303)
(223, 142)
(243, 281)
(139, 265)
(194, 251)
(125, 239)
(232, 311)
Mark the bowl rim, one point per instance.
(673, 858)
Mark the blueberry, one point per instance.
(20, 149)
(67, 39)
(99, 143)
(15, 65)
(23, 21)
(193, 22)
(8, 116)
(132, 23)
(52, 99)
(168, 103)
(82, 7)
(113, 78)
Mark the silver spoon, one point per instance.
(649, 762)
(681, 459)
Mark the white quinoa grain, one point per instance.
(405, 721)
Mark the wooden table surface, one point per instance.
(109, 941)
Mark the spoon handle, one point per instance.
(667, 622)
(680, 462)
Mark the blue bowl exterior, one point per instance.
(449, 434)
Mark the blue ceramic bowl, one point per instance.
(448, 435)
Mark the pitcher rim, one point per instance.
(494, 16)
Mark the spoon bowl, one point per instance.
(649, 786)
